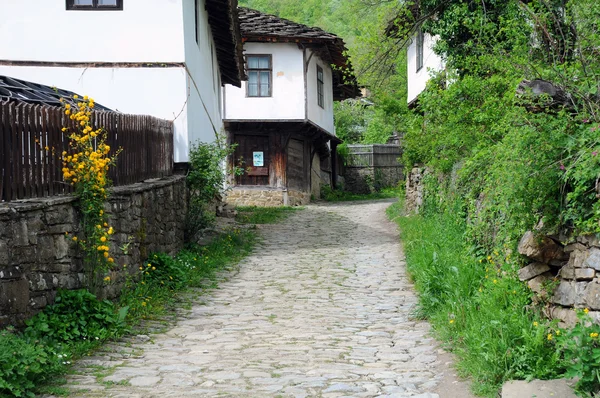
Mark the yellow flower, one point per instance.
(535, 324)
(107, 279)
(451, 321)
(111, 260)
(75, 96)
(141, 268)
(143, 303)
(74, 239)
(558, 332)
(149, 265)
(106, 254)
(549, 337)
(594, 335)
(586, 310)
(103, 239)
(101, 212)
(153, 268)
(495, 281)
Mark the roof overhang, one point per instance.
(225, 27)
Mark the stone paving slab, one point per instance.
(320, 309)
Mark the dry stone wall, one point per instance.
(265, 197)
(37, 257)
(568, 277)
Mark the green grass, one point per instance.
(476, 305)
(263, 215)
(330, 195)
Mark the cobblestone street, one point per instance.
(320, 309)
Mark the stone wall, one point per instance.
(567, 277)
(370, 178)
(37, 257)
(265, 197)
(414, 189)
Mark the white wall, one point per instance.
(204, 80)
(287, 100)
(147, 91)
(323, 117)
(431, 63)
(43, 30)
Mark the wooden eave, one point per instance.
(224, 23)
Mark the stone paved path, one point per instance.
(321, 309)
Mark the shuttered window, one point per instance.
(259, 75)
(320, 86)
(420, 39)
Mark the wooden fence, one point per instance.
(32, 141)
(373, 156)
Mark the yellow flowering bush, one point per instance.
(85, 167)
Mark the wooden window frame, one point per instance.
(270, 70)
(71, 6)
(420, 49)
(320, 87)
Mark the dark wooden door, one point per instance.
(256, 167)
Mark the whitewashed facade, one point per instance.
(421, 62)
(155, 57)
(294, 89)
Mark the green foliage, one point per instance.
(75, 323)
(580, 347)
(76, 315)
(338, 195)
(263, 215)
(24, 363)
(475, 303)
(206, 181)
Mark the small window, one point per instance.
(94, 4)
(259, 75)
(420, 40)
(320, 85)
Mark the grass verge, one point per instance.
(475, 304)
(77, 323)
(335, 195)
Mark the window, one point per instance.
(94, 4)
(259, 75)
(420, 38)
(320, 85)
(196, 17)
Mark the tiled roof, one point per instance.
(12, 89)
(256, 26)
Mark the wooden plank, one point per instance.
(17, 152)
(35, 117)
(4, 152)
(257, 171)
(45, 160)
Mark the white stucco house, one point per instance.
(165, 58)
(281, 118)
(422, 61)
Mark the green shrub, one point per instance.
(25, 363)
(206, 181)
(76, 315)
(580, 347)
